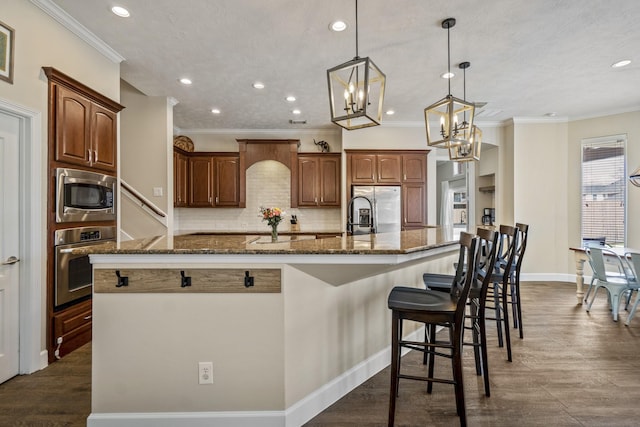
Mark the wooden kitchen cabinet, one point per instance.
(319, 180)
(84, 124)
(369, 168)
(414, 168)
(71, 329)
(405, 168)
(414, 206)
(214, 181)
(227, 183)
(180, 179)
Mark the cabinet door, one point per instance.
(201, 181)
(180, 179)
(72, 127)
(329, 181)
(388, 168)
(103, 138)
(414, 168)
(227, 183)
(363, 168)
(308, 174)
(414, 206)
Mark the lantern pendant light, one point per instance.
(441, 118)
(356, 91)
(469, 148)
(634, 178)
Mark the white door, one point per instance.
(9, 246)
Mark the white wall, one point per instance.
(41, 41)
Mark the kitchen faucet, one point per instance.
(350, 222)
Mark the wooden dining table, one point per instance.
(580, 256)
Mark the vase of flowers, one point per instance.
(273, 216)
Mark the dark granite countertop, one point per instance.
(402, 242)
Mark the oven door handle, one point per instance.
(66, 251)
(11, 260)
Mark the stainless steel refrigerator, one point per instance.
(387, 207)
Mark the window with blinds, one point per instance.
(604, 190)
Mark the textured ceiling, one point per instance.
(528, 57)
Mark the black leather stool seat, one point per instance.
(406, 298)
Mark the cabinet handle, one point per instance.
(89, 154)
(315, 200)
(95, 156)
(321, 199)
(216, 200)
(405, 176)
(210, 199)
(87, 317)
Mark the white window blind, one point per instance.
(604, 190)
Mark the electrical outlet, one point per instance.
(157, 191)
(205, 372)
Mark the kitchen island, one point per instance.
(289, 327)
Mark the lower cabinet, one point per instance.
(71, 329)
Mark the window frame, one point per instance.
(620, 138)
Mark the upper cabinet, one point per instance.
(368, 168)
(83, 124)
(180, 179)
(206, 180)
(319, 180)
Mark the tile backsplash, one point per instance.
(268, 184)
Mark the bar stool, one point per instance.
(523, 234)
(434, 308)
(497, 295)
(477, 302)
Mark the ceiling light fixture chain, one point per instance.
(445, 112)
(356, 90)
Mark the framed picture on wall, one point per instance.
(6, 52)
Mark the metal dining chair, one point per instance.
(617, 285)
(635, 262)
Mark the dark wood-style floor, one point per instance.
(572, 369)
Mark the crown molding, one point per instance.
(292, 132)
(537, 120)
(71, 24)
(605, 114)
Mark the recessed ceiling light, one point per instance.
(620, 64)
(120, 11)
(215, 111)
(258, 85)
(296, 112)
(185, 81)
(338, 26)
(390, 112)
(290, 98)
(552, 114)
(447, 75)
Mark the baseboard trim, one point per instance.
(44, 359)
(296, 415)
(548, 277)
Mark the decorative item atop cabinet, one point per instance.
(183, 142)
(82, 124)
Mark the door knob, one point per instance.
(11, 260)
